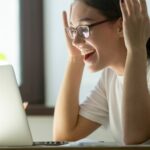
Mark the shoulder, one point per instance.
(148, 72)
(148, 65)
(107, 75)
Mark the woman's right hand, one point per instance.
(73, 51)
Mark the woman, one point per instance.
(111, 36)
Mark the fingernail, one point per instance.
(122, 1)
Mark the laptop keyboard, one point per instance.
(50, 143)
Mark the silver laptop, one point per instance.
(14, 127)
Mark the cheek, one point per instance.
(103, 36)
(106, 40)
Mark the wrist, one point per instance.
(138, 56)
(76, 59)
(139, 51)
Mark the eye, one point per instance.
(83, 31)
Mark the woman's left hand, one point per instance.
(25, 105)
(136, 24)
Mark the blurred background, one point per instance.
(32, 40)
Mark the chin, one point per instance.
(94, 69)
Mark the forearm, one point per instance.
(136, 102)
(67, 107)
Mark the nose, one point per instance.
(77, 40)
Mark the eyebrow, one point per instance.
(84, 19)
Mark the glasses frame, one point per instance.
(88, 27)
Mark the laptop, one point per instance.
(14, 127)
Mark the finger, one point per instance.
(123, 9)
(65, 21)
(148, 28)
(129, 6)
(143, 7)
(136, 6)
(25, 105)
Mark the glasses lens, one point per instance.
(83, 31)
(71, 32)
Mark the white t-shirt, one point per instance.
(104, 103)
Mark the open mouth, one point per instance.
(87, 53)
(87, 56)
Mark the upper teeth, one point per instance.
(85, 52)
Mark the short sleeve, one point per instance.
(95, 106)
(148, 75)
(146, 142)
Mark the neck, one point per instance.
(119, 69)
(119, 65)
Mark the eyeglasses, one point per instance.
(82, 30)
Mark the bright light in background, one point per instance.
(9, 34)
(148, 5)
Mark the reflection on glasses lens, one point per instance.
(83, 31)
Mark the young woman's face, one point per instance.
(101, 48)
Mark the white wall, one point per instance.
(148, 5)
(9, 34)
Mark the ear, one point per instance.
(119, 28)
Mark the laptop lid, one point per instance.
(14, 128)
